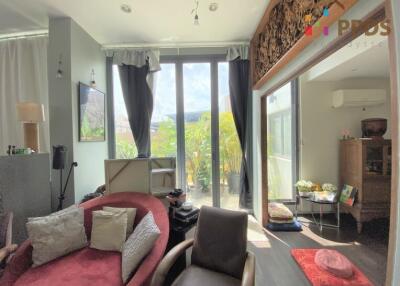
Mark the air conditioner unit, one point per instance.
(358, 97)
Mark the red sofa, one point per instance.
(87, 267)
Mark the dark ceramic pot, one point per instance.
(374, 127)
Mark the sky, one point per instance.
(197, 90)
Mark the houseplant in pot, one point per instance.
(304, 187)
(328, 192)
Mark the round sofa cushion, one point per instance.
(334, 262)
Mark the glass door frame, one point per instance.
(295, 138)
(213, 60)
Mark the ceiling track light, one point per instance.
(213, 7)
(195, 12)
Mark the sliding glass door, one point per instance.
(230, 154)
(197, 116)
(163, 121)
(192, 121)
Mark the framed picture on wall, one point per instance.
(91, 114)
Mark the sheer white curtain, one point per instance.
(23, 77)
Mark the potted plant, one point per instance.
(304, 187)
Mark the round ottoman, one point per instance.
(334, 262)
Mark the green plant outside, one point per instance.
(197, 148)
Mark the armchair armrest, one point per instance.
(6, 251)
(249, 271)
(18, 264)
(168, 261)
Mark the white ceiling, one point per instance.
(151, 21)
(365, 57)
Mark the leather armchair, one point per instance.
(219, 255)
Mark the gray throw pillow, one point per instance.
(138, 245)
(56, 235)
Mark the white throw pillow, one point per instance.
(139, 245)
(56, 235)
(131, 214)
(108, 230)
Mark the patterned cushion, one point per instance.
(56, 235)
(281, 221)
(138, 245)
(278, 210)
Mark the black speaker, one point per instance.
(59, 153)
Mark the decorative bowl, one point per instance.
(373, 127)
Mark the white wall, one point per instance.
(60, 100)
(80, 53)
(86, 54)
(358, 11)
(321, 125)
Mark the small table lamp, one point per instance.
(30, 114)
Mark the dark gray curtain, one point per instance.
(139, 105)
(240, 94)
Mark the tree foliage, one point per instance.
(197, 147)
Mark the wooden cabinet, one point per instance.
(366, 165)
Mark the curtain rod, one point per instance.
(12, 36)
(174, 45)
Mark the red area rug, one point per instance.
(319, 277)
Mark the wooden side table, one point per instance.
(321, 203)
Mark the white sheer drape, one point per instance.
(136, 58)
(23, 77)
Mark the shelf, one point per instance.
(376, 176)
(161, 191)
(163, 171)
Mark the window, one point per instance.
(124, 144)
(282, 142)
(230, 152)
(163, 121)
(192, 121)
(281, 133)
(197, 110)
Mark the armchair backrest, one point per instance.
(220, 242)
